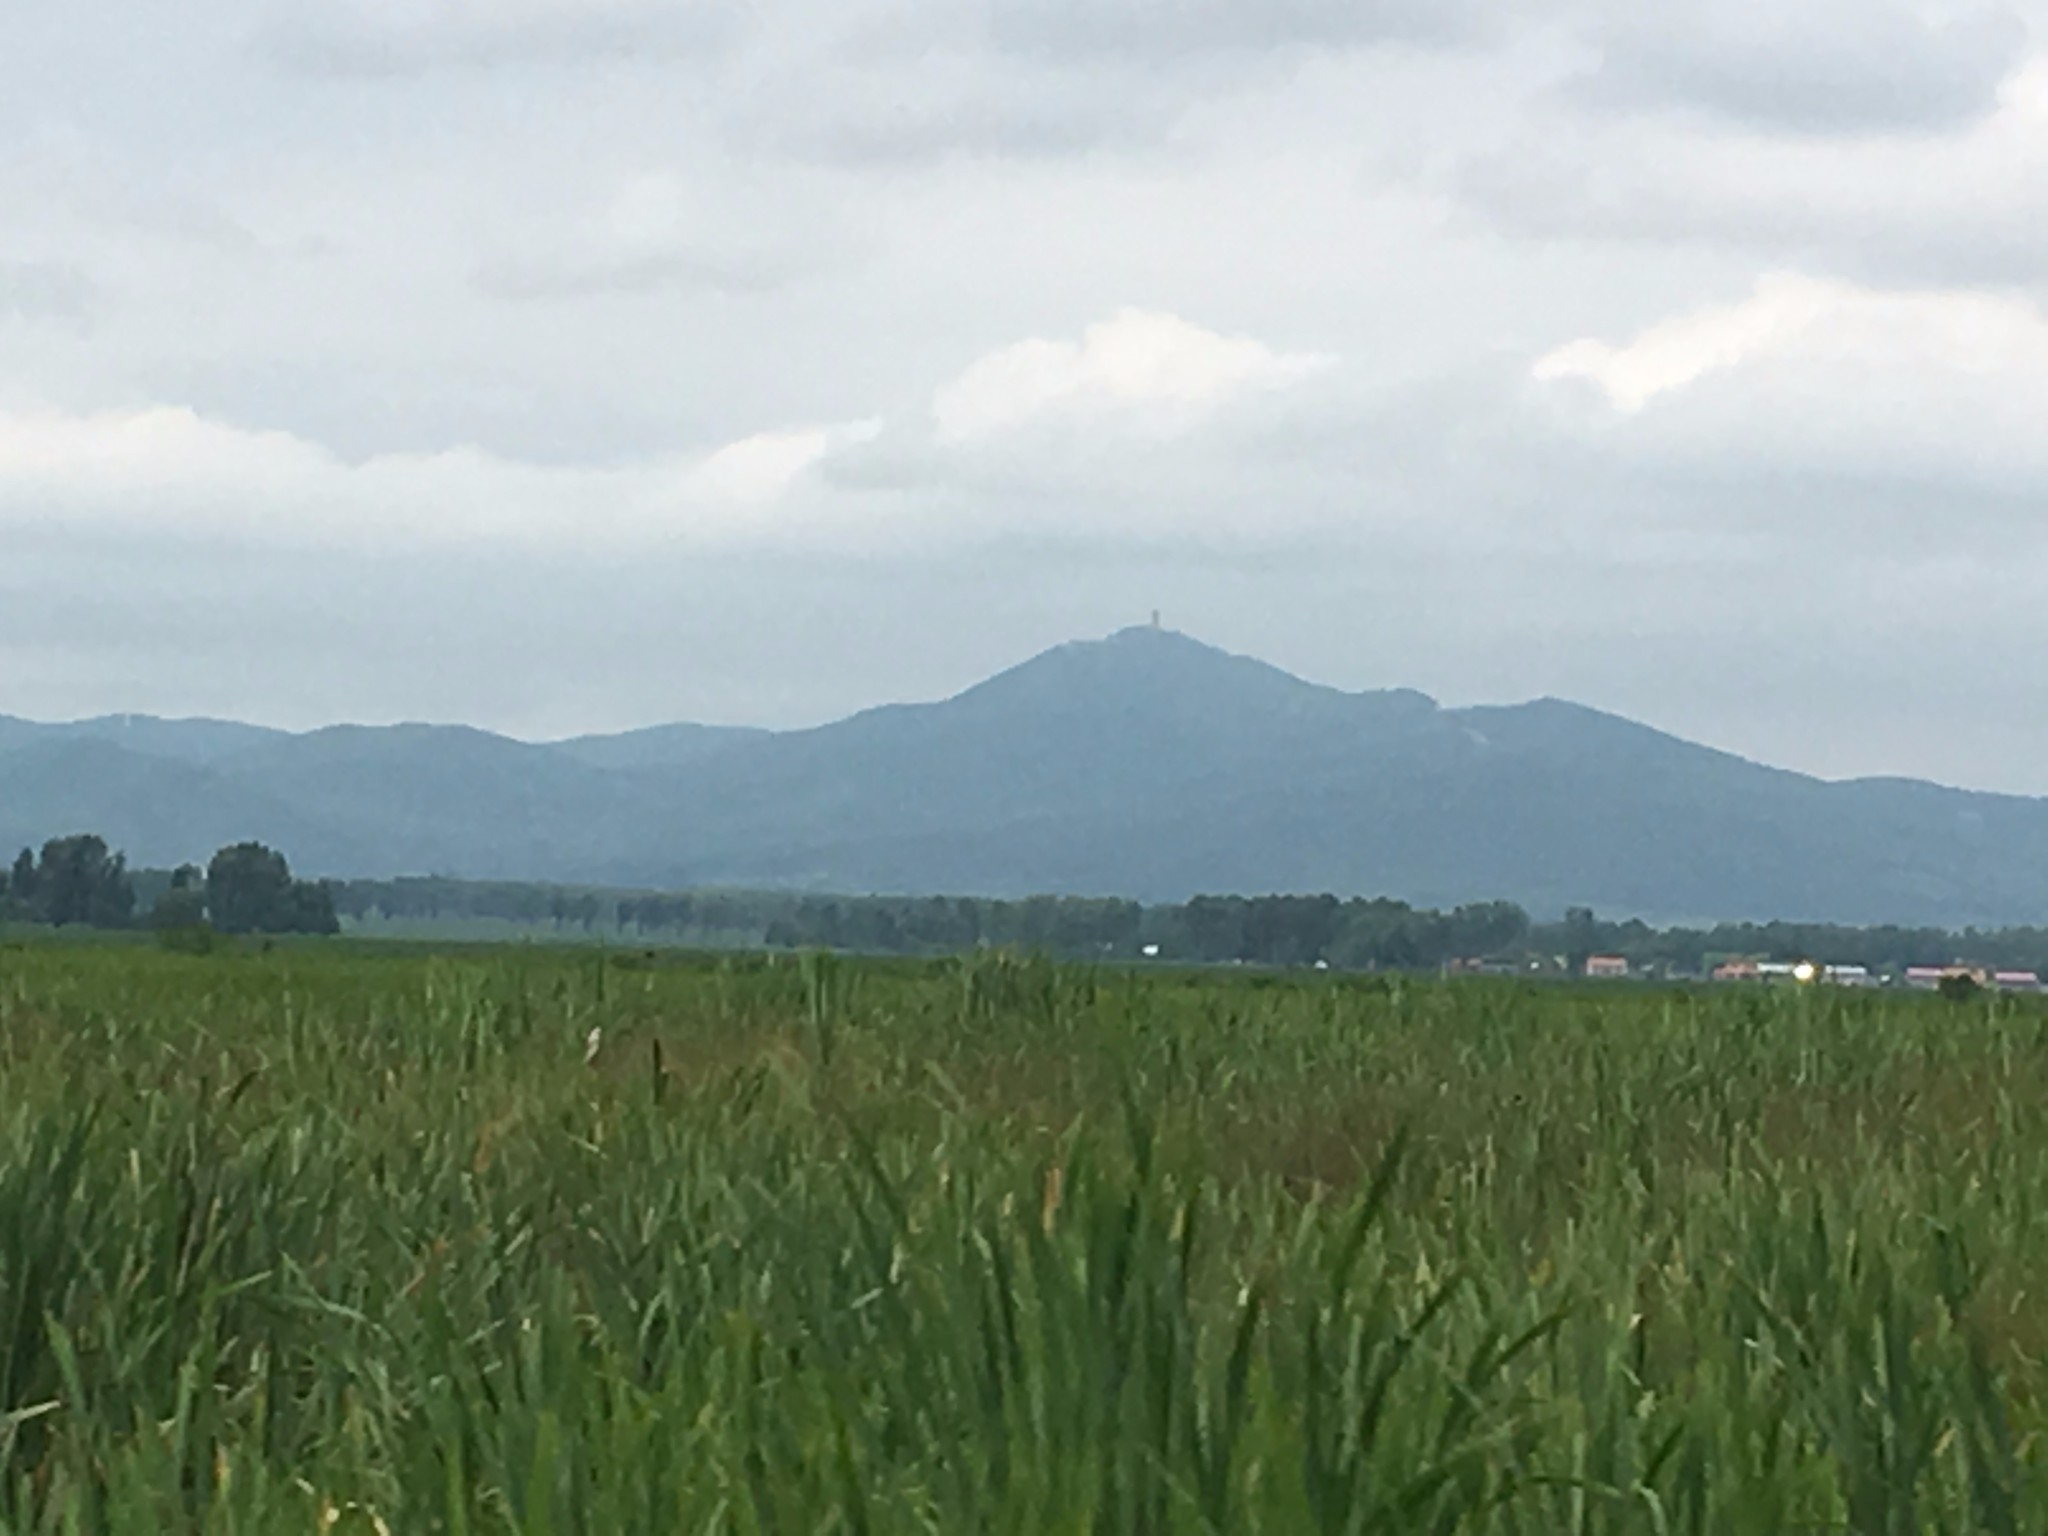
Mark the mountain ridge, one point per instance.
(1145, 764)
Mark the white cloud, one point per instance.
(171, 472)
(1927, 341)
(1817, 401)
(767, 465)
(1677, 352)
(1155, 371)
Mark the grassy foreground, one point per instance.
(328, 1239)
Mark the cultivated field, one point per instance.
(338, 1239)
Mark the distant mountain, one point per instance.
(185, 741)
(658, 746)
(1146, 764)
(160, 809)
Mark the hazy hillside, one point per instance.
(1146, 764)
(188, 741)
(161, 810)
(659, 746)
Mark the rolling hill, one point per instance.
(1146, 764)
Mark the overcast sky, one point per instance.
(557, 365)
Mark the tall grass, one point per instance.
(341, 1240)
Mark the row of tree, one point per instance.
(1265, 930)
(247, 888)
(1377, 934)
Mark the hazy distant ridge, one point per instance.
(1146, 765)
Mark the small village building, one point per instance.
(1928, 978)
(1607, 968)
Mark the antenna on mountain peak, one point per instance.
(1155, 618)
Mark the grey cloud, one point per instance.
(1809, 66)
(952, 106)
(914, 82)
(1163, 29)
(908, 136)
(1940, 214)
(689, 271)
(46, 291)
(365, 39)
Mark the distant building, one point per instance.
(1607, 968)
(1802, 972)
(2017, 981)
(1928, 978)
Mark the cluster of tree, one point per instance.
(1376, 934)
(247, 888)
(77, 881)
(1064, 925)
(439, 898)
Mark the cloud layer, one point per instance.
(644, 359)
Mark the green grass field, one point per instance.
(353, 1239)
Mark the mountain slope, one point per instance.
(449, 799)
(160, 810)
(185, 741)
(1146, 764)
(658, 746)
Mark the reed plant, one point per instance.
(329, 1238)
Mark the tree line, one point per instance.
(1265, 930)
(248, 888)
(1351, 934)
(245, 888)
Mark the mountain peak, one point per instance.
(1140, 668)
(1152, 634)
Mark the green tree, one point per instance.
(249, 890)
(312, 909)
(1581, 938)
(1488, 928)
(182, 906)
(1960, 987)
(21, 883)
(79, 880)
